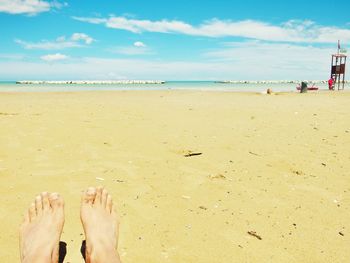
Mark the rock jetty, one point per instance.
(90, 82)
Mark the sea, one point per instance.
(11, 86)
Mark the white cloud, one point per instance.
(291, 31)
(138, 26)
(81, 36)
(139, 44)
(60, 43)
(48, 45)
(54, 57)
(30, 7)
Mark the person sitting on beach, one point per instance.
(43, 223)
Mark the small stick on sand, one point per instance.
(254, 234)
(192, 154)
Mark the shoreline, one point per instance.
(212, 86)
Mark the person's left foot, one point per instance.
(41, 230)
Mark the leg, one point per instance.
(41, 230)
(100, 226)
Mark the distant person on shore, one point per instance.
(331, 83)
(41, 230)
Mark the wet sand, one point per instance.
(271, 184)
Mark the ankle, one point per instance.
(37, 258)
(101, 253)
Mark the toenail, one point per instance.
(54, 196)
(91, 191)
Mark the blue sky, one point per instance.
(170, 40)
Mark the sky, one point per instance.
(170, 40)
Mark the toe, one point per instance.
(32, 212)
(45, 200)
(98, 198)
(89, 195)
(56, 201)
(38, 205)
(109, 203)
(104, 198)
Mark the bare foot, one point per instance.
(41, 230)
(100, 226)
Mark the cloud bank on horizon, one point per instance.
(59, 40)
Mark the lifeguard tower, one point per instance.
(338, 68)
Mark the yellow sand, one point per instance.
(277, 165)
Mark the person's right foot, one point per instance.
(100, 226)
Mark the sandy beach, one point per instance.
(271, 183)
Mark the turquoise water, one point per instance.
(11, 86)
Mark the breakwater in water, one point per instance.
(91, 82)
